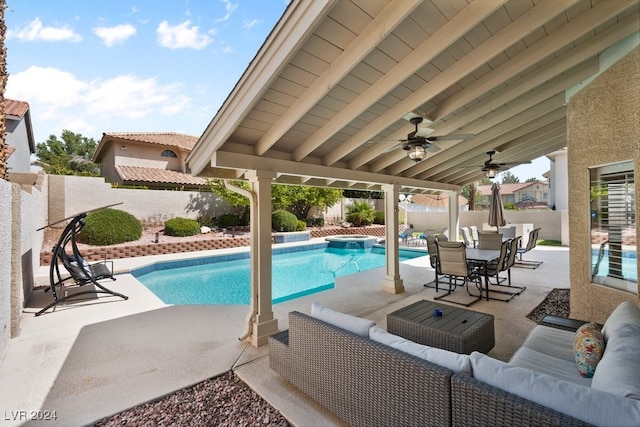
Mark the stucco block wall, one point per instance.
(70, 195)
(5, 265)
(603, 126)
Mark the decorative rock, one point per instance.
(204, 229)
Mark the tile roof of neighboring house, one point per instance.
(161, 176)
(15, 108)
(179, 140)
(508, 188)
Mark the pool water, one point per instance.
(294, 274)
(628, 261)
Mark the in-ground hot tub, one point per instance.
(351, 241)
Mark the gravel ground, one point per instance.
(556, 304)
(220, 401)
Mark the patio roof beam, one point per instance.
(444, 37)
(395, 12)
(478, 57)
(225, 159)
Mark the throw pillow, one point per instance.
(354, 324)
(589, 347)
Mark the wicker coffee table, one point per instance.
(458, 330)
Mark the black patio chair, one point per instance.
(80, 271)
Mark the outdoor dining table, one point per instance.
(484, 257)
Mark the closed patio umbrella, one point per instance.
(496, 210)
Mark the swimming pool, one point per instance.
(628, 262)
(225, 279)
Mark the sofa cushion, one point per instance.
(552, 341)
(619, 370)
(586, 404)
(543, 363)
(354, 324)
(448, 359)
(626, 312)
(588, 346)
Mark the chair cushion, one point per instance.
(543, 363)
(619, 370)
(354, 324)
(448, 359)
(552, 341)
(588, 346)
(586, 404)
(626, 312)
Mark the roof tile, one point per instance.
(163, 176)
(180, 140)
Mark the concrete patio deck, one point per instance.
(91, 359)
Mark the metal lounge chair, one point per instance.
(80, 272)
(406, 235)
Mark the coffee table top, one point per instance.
(453, 320)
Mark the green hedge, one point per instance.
(181, 227)
(110, 227)
(282, 220)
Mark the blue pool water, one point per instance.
(629, 264)
(226, 279)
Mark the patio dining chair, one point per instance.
(474, 234)
(489, 240)
(432, 247)
(531, 243)
(466, 237)
(452, 261)
(508, 253)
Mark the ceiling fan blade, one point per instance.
(433, 148)
(514, 163)
(458, 137)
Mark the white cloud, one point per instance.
(59, 100)
(35, 31)
(181, 36)
(114, 35)
(229, 8)
(250, 24)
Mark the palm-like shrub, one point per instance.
(110, 227)
(360, 214)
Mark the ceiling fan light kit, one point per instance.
(417, 151)
(491, 173)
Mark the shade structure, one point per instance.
(436, 200)
(496, 210)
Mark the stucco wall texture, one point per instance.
(603, 127)
(5, 266)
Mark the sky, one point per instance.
(130, 66)
(139, 65)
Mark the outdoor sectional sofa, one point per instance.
(369, 377)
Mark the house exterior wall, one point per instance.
(71, 195)
(537, 191)
(140, 155)
(5, 265)
(18, 137)
(558, 181)
(603, 127)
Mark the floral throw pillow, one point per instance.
(588, 346)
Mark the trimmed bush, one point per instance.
(110, 227)
(227, 220)
(378, 217)
(180, 227)
(302, 225)
(282, 220)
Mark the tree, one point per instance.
(69, 156)
(509, 178)
(470, 191)
(296, 199)
(531, 180)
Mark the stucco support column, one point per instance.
(392, 283)
(263, 323)
(454, 215)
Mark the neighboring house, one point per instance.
(151, 159)
(524, 195)
(19, 136)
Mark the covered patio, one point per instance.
(405, 97)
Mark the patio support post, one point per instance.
(392, 283)
(454, 215)
(263, 323)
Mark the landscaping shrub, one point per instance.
(315, 222)
(360, 214)
(181, 227)
(227, 220)
(302, 225)
(282, 220)
(206, 221)
(110, 227)
(378, 217)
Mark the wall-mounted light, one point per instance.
(124, 147)
(417, 151)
